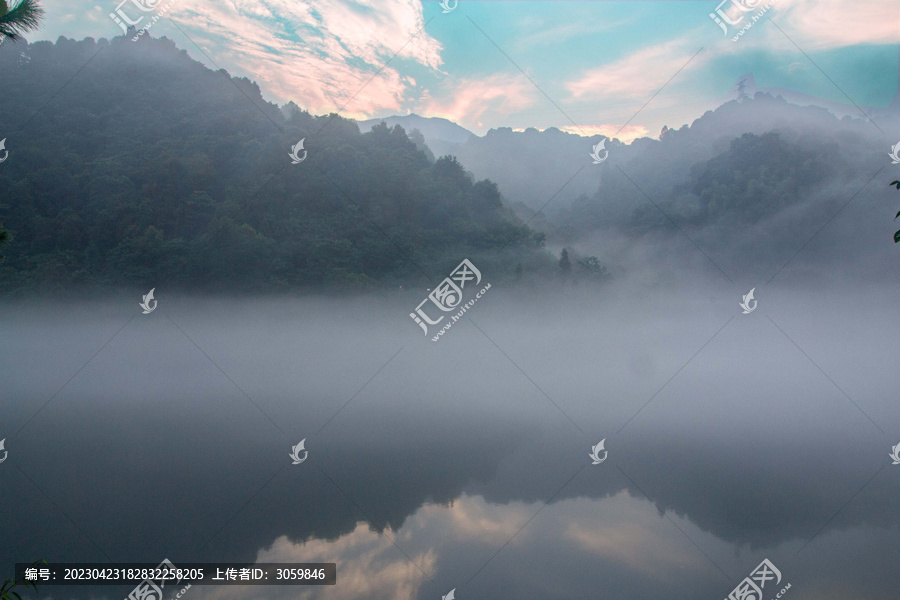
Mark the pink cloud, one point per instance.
(343, 44)
(471, 98)
(626, 134)
(825, 24)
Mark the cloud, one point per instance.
(827, 24)
(368, 563)
(471, 519)
(640, 74)
(321, 54)
(645, 545)
(468, 99)
(620, 530)
(813, 25)
(538, 32)
(369, 566)
(627, 134)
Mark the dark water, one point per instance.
(463, 464)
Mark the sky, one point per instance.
(588, 67)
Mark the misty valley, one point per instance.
(447, 359)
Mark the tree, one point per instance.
(593, 267)
(896, 233)
(416, 137)
(25, 16)
(6, 590)
(565, 265)
(742, 90)
(190, 212)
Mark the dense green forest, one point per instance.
(148, 168)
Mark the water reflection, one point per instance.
(450, 459)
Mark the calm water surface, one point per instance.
(463, 464)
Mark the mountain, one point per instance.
(747, 85)
(746, 184)
(516, 160)
(536, 169)
(443, 137)
(150, 169)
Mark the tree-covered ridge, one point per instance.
(148, 168)
(756, 177)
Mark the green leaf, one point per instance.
(16, 595)
(897, 183)
(897, 237)
(898, 214)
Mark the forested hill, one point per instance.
(132, 164)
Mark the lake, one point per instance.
(463, 464)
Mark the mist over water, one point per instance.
(731, 438)
(713, 308)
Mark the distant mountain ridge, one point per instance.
(441, 135)
(537, 169)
